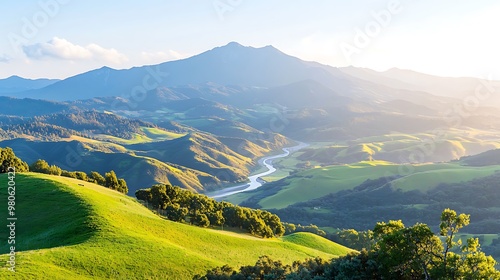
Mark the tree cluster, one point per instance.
(291, 228)
(95, 122)
(398, 252)
(39, 130)
(181, 205)
(352, 238)
(109, 180)
(9, 159)
(52, 127)
(348, 208)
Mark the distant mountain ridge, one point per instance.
(232, 64)
(240, 69)
(14, 84)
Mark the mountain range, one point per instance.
(18, 84)
(378, 145)
(217, 112)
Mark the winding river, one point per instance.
(255, 181)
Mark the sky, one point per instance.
(62, 38)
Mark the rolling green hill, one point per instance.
(139, 171)
(140, 152)
(317, 182)
(199, 151)
(491, 157)
(68, 231)
(451, 144)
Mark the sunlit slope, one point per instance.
(451, 144)
(68, 231)
(314, 241)
(317, 182)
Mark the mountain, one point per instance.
(27, 107)
(440, 86)
(232, 64)
(234, 72)
(178, 155)
(14, 84)
(138, 171)
(97, 233)
(201, 152)
(491, 157)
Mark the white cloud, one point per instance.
(63, 49)
(4, 58)
(162, 56)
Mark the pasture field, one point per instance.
(69, 229)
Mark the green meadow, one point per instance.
(66, 230)
(320, 181)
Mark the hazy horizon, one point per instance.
(62, 38)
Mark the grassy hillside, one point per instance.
(316, 242)
(396, 147)
(67, 231)
(146, 135)
(318, 182)
(138, 171)
(201, 152)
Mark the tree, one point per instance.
(354, 265)
(176, 213)
(216, 218)
(406, 253)
(289, 228)
(353, 239)
(258, 227)
(470, 262)
(197, 205)
(9, 160)
(218, 273)
(417, 253)
(97, 178)
(40, 166)
(81, 176)
(399, 253)
(144, 195)
(449, 227)
(55, 170)
(68, 174)
(201, 220)
(122, 186)
(173, 193)
(230, 214)
(274, 223)
(159, 198)
(111, 182)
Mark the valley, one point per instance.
(256, 180)
(324, 148)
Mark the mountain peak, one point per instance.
(234, 45)
(237, 46)
(15, 77)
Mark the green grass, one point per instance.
(313, 241)
(67, 231)
(432, 178)
(136, 139)
(423, 147)
(151, 135)
(318, 182)
(93, 144)
(159, 135)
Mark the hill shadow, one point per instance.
(48, 215)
